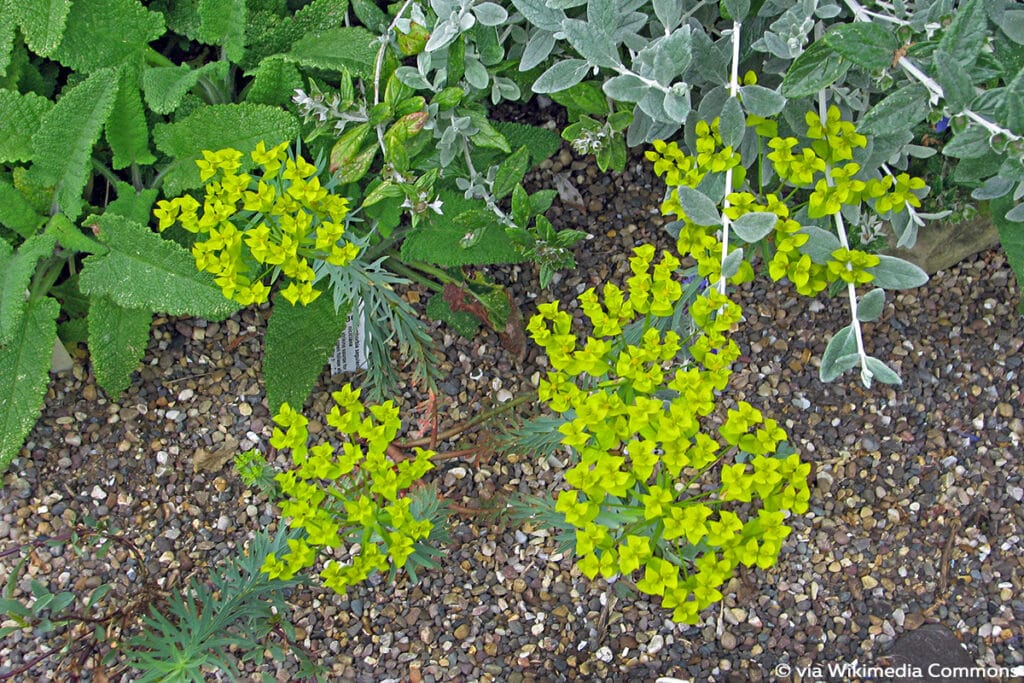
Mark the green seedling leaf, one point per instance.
(895, 273)
(871, 305)
(698, 206)
(818, 67)
(62, 146)
(868, 45)
(511, 172)
(753, 227)
(142, 270)
(24, 374)
(16, 212)
(520, 206)
(20, 116)
(118, 338)
(299, 342)
(583, 98)
(898, 111)
(127, 130)
(165, 86)
(487, 135)
(443, 241)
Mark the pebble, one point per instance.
(728, 641)
(97, 493)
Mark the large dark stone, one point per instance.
(931, 649)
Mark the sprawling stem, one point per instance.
(734, 89)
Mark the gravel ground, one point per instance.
(916, 515)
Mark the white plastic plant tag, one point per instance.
(350, 351)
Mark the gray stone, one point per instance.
(941, 245)
(930, 648)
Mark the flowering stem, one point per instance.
(734, 89)
(851, 289)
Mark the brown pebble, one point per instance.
(728, 641)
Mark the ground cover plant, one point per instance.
(320, 154)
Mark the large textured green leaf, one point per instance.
(16, 212)
(108, 33)
(964, 38)
(465, 234)
(223, 23)
(898, 111)
(24, 374)
(351, 48)
(15, 275)
(865, 44)
(240, 126)
(117, 342)
(42, 23)
(62, 146)
(165, 86)
(816, 68)
(127, 129)
(132, 204)
(7, 26)
(268, 33)
(299, 342)
(142, 270)
(20, 115)
(274, 82)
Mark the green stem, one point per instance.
(397, 266)
(482, 417)
(154, 58)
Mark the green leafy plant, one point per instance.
(650, 488)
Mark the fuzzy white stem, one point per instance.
(734, 90)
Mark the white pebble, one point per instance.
(223, 522)
(604, 654)
(537, 629)
(186, 394)
(172, 414)
(161, 457)
(458, 472)
(1016, 492)
(504, 396)
(656, 643)
(97, 493)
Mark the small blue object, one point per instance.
(943, 125)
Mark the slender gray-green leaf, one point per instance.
(737, 9)
(842, 345)
(539, 14)
(698, 207)
(537, 49)
(994, 187)
(561, 75)
(964, 37)
(731, 264)
(954, 80)
(896, 273)
(625, 88)
(592, 42)
(882, 372)
(754, 226)
(871, 305)
(732, 124)
(820, 245)
(761, 101)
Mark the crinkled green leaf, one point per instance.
(16, 270)
(142, 270)
(42, 23)
(1011, 236)
(897, 112)
(24, 375)
(127, 129)
(7, 26)
(16, 213)
(274, 82)
(182, 16)
(131, 203)
(447, 241)
(465, 324)
(20, 115)
(298, 344)
(62, 146)
(240, 126)
(964, 37)
(222, 22)
(351, 48)
(540, 142)
(165, 86)
(108, 33)
(117, 342)
(70, 237)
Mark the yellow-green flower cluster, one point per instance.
(634, 414)
(347, 493)
(277, 220)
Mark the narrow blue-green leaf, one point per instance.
(1015, 104)
(896, 273)
(62, 146)
(732, 123)
(731, 264)
(118, 337)
(24, 375)
(298, 344)
(144, 271)
(20, 116)
(698, 207)
(42, 23)
(561, 75)
(882, 372)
